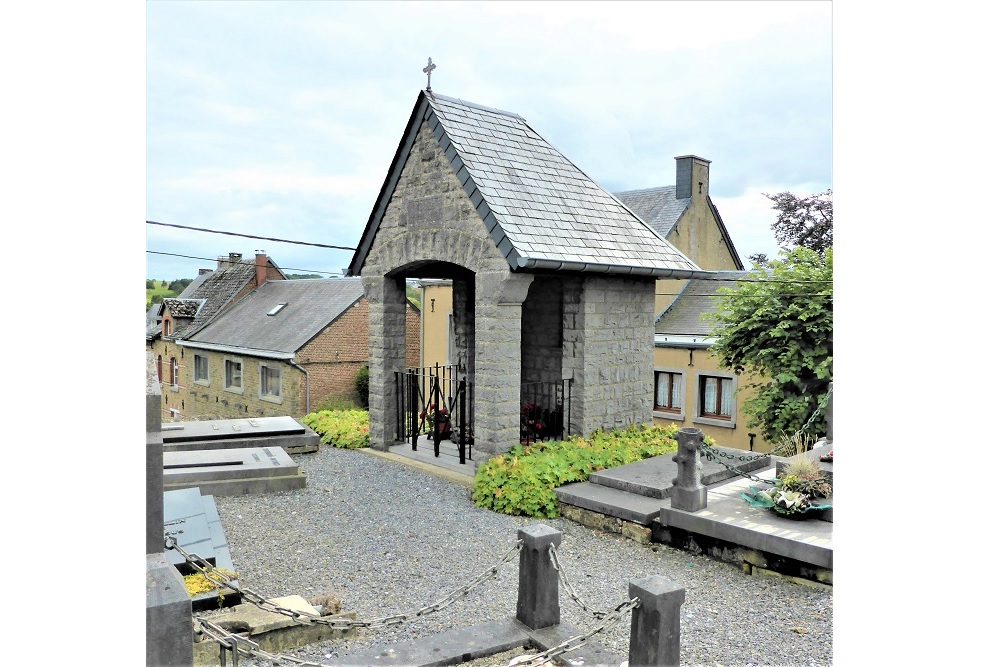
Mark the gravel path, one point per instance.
(386, 538)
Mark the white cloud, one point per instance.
(277, 180)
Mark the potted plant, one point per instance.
(435, 415)
(796, 492)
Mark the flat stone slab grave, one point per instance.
(286, 432)
(193, 520)
(654, 476)
(223, 472)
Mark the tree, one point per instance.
(802, 222)
(150, 284)
(179, 285)
(778, 326)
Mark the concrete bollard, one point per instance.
(538, 581)
(688, 493)
(655, 638)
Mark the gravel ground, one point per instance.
(386, 538)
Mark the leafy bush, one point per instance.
(361, 385)
(347, 429)
(523, 480)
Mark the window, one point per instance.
(166, 327)
(234, 376)
(270, 382)
(201, 369)
(174, 372)
(159, 368)
(717, 400)
(668, 392)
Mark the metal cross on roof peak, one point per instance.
(427, 70)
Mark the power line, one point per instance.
(250, 236)
(212, 259)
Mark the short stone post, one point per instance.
(538, 583)
(688, 493)
(169, 633)
(656, 623)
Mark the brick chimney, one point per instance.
(692, 176)
(260, 268)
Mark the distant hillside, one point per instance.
(302, 276)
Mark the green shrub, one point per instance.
(523, 480)
(361, 385)
(347, 429)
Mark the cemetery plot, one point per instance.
(284, 432)
(223, 472)
(193, 520)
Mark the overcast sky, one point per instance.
(280, 119)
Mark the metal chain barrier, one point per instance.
(237, 645)
(611, 619)
(568, 587)
(714, 454)
(224, 580)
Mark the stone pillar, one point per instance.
(538, 582)
(656, 623)
(687, 492)
(169, 633)
(613, 327)
(386, 355)
(498, 354)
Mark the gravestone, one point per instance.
(285, 432)
(193, 520)
(231, 472)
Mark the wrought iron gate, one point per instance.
(435, 402)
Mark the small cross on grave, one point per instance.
(427, 70)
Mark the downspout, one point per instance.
(292, 362)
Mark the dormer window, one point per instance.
(166, 327)
(276, 309)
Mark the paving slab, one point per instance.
(654, 476)
(730, 518)
(610, 501)
(447, 648)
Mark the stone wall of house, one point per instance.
(202, 400)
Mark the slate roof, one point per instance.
(539, 208)
(659, 207)
(216, 289)
(153, 325)
(311, 306)
(183, 307)
(683, 316)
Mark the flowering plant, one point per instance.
(796, 492)
(433, 412)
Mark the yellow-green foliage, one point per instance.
(523, 480)
(198, 583)
(347, 429)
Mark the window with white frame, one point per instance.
(717, 399)
(668, 393)
(174, 372)
(270, 382)
(233, 376)
(201, 369)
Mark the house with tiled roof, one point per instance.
(553, 277)
(690, 388)
(202, 300)
(280, 350)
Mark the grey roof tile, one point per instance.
(684, 315)
(659, 207)
(312, 305)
